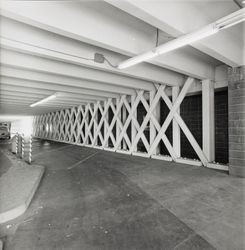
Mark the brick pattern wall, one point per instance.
(164, 110)
(141, 113)
(191, 112)
(221, 126)
(236, 90)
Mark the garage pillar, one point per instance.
(133, 128)
(156, 113)
(236, 107)
(208, 142)
(176, 128)
(124, 118)
(105, 125)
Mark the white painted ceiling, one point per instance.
(47, 47)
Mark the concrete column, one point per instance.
(176, 128)
(208, 140)
(236, 106)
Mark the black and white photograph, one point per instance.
(122, 125)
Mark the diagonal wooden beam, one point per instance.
(170, 116)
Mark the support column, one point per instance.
(105, 124)
(95, 125)
(208, 140)
(118, 130)
(236, 106)
(133, 129)
(86, 126)
(156, 113)
(176, 128)
(124, 118)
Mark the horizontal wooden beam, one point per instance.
(131, 36)
(28, 78)
(88, 75)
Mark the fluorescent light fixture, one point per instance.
(209, 30)
(44, 100)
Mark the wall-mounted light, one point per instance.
(49, 98)
(223, 23)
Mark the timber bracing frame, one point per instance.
(88, 125)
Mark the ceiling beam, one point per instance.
(31, 86)
(33, 100)
(159, 14)
(120, 32)
(28, 78)
(65, 96)
(35, 63)
(28, 39)
(22, 109)
(17, 88)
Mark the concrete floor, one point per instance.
(93, 199)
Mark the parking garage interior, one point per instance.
(122, 125)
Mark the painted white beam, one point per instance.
(32, 86)
(26, 105)
(38, 98)
(29, 39)
(208, 134)
(28, 78)
(35, 63)
(160, 14)
(176, 128)
(130, 35)
(5, 89)
(156, 112)
(20, 89)
(18, 108)
(133, 128)
(61, 96)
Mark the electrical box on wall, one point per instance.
(99, 58)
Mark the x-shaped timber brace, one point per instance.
(83, 125)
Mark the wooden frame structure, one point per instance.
(88, 125)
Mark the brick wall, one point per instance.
(191, 112)
(141, 113)
(236, 90)
(164, 110)
(221, 126)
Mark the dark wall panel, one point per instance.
(191, 113)
(221, 127)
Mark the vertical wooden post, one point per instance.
(133, 128)
(124, 118)
(156, 113)
(95, 124)
(105, 125)
(208, 119)
(176, 128)
(118, 130)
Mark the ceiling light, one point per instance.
(44, 100)
(223, 23)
